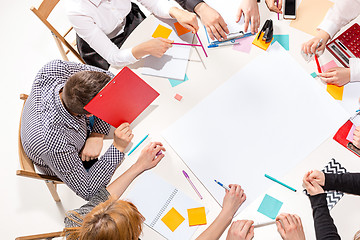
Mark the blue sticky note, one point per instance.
(313, 74)
(270, 206)
(283, 40)
(175, 82)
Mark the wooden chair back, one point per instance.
(27, 166)
(43, 12)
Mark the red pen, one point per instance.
(317, 63)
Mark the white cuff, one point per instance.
(330, 27)
(354, 69)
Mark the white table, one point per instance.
(205, 77)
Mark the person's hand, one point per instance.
(213, 21)
(250, 10)
(273, 6)
(290, 227)
(233, 199)
(241, 230)
(311, 185)
(316, 175)
(155, 47)
(185, 18)
(338, 76)
(310, 46)
(149, 156)
(356, 139)
(122, 136)
(92, 147)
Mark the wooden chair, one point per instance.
(41, 236)
(43, 13)
(27, 166)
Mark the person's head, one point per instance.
(80, 88)
(111, 220)
(357, 235)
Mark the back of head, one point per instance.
(357, 235)
(80, 88)
(112, 220)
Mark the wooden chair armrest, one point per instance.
(38, 176)
(41, 236)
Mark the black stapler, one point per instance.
(267, 29)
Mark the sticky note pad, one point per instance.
(313, 74)
(244, 44)
(197, 216)
(260, 43)
(175, 82)
(270, 206)
(335, 91)
(329, 65)
(178, 97)
(283, 40)
(162, 32)
(180, 29)
(173, 219)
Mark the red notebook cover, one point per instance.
(122, 99)
(341, 136)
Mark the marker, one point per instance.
(277, 181)
(262, 224)
(277, 5)
(137, 145)
(317, 63)
(193, 186)
(224, 186)
(201, 44)
(187, 44)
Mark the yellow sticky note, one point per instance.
(162, 31)
(335, 91)
(260, 43)
(197, 216)
(173, 219)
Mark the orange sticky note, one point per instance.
(180, 29)
(197, 216)
(260, 43)
(178, 97)
(173, 219)
(335, 91)
(162, 32)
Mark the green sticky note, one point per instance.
(313, 74)
(270, 206)
(283, 40)
(175, 82)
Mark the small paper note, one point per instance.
(197, 216)
(314, 74)
(260, 43)
(329, 65)
(180, 29)
(283, 40)
(335, 91)
(178, 97)
(175, 82)
(244, 44)
(173, 219)
(350, 135)
(270, 206)
(162, 32)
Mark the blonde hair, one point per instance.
(357, 235)
(110, 220)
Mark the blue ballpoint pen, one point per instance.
(224, 186)
(132, 150)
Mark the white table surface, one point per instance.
(205, 77)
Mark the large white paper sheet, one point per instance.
(173, 63)
(265, 119)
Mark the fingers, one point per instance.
(238, 15)
(246, 25)
(280, 228)
(279, 6)
(124, 125)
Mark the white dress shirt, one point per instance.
(97, 21)
(338, 16)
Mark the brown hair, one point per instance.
(357, 235)
(110, 220)
(80, 88)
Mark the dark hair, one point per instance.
(80, 88)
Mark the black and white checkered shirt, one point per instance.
(53, 138)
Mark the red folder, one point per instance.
(122, 99)
(341, 136)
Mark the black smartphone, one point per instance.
(290, 9)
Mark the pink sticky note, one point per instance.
(178, 97)
(244, 44)
(329, 65)
(350, 135)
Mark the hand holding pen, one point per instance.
(312, 46)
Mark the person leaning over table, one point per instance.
(215, 24)
(107, 217)
(315, 183)
(337, 17)
(56, 133)
(102, 26)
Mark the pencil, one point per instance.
(137, 145)
(281, 183)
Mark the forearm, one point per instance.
(217, 227)
(118, 187)
(189, 5)
(347, 182)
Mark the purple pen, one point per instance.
(159, 153)
(187, 177)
